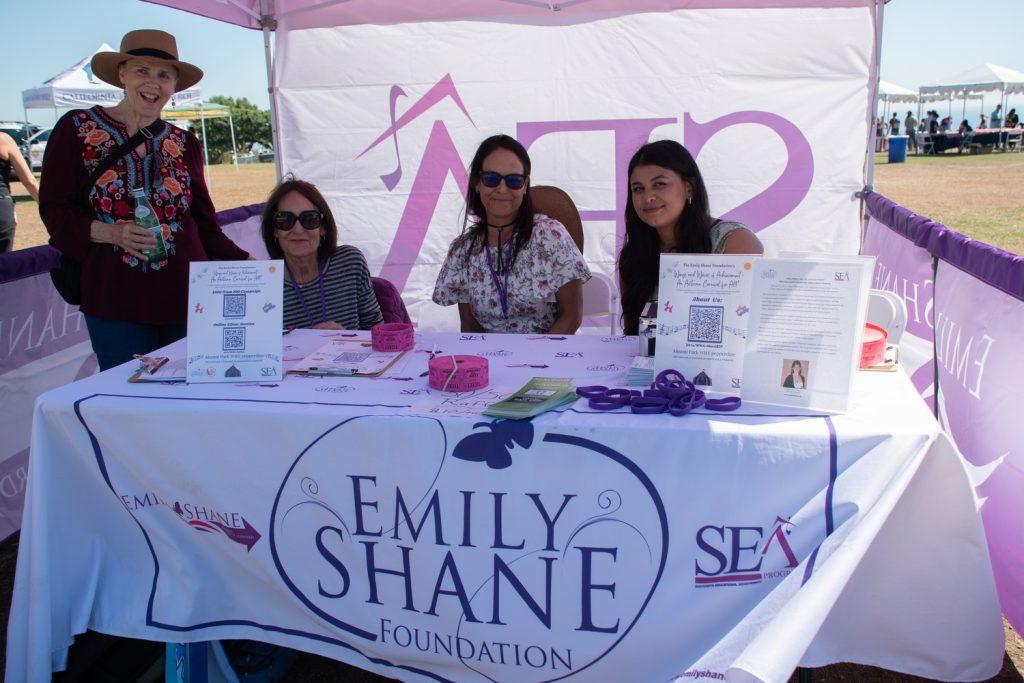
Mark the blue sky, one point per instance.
(924, 42)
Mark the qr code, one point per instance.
(234, 305)
(705, 324)
(233, 339)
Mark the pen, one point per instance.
(325, 372)
(433, 353)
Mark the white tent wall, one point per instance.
(774, 102)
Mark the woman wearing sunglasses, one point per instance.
(510, 270)
(326, 286)
(666, 213)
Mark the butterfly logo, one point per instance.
(493, 446)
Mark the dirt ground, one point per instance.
(229, 187)
(979, 195)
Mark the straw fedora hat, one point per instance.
(145, 43)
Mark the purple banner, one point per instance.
(978, 332)
(963, 334)
(44, 344)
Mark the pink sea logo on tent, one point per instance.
(442, 159)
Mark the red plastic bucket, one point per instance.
(873, 347)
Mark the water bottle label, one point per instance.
(142, 211)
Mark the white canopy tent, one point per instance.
(77, 87)
(890, 93)
(266, 15)
(334, 66)
(973, 83)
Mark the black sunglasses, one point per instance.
(285, 220)
(513, 181)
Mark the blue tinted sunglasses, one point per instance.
(513, 181)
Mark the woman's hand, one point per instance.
(328, 325)
(126, 235)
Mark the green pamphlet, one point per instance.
(539, 395)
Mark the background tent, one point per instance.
(76, 87)
(973, 83)
(890, 93)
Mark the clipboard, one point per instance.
(158, 369)
(347, 358)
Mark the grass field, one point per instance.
(981, 196)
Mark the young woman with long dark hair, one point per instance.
(667, 212)
(511, 270)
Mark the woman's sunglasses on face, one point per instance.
(513, 181)
(285, 220)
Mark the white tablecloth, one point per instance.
(323, 514)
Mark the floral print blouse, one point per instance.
(115, 284)
(544, 264)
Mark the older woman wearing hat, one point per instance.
(134, 295)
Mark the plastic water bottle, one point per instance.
(145, 217)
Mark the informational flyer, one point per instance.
(703, 309)
(235, 321)
(468, 404)
(804, 335)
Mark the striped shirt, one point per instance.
(348, 294)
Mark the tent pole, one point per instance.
(234, 147)
(269, 24)
(877, 11)
(206, 150)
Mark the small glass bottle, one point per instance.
(145, 217)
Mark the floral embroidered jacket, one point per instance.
(116, 285)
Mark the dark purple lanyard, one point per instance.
(502, 290)
(302, 299)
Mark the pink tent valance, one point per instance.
(300, 14)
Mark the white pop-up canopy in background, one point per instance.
(974, 83)
(77, 87)
(383, 104)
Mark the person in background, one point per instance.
(996, 119)
(982, 123)
(933, 121)
(12, 161)
(1012, 120)
(910, 125)
(879, 134)
(894, 125)
(327, 286)
(968, 134)
(132, 304)
(946, 124)
(511, 270)
(667, 213)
